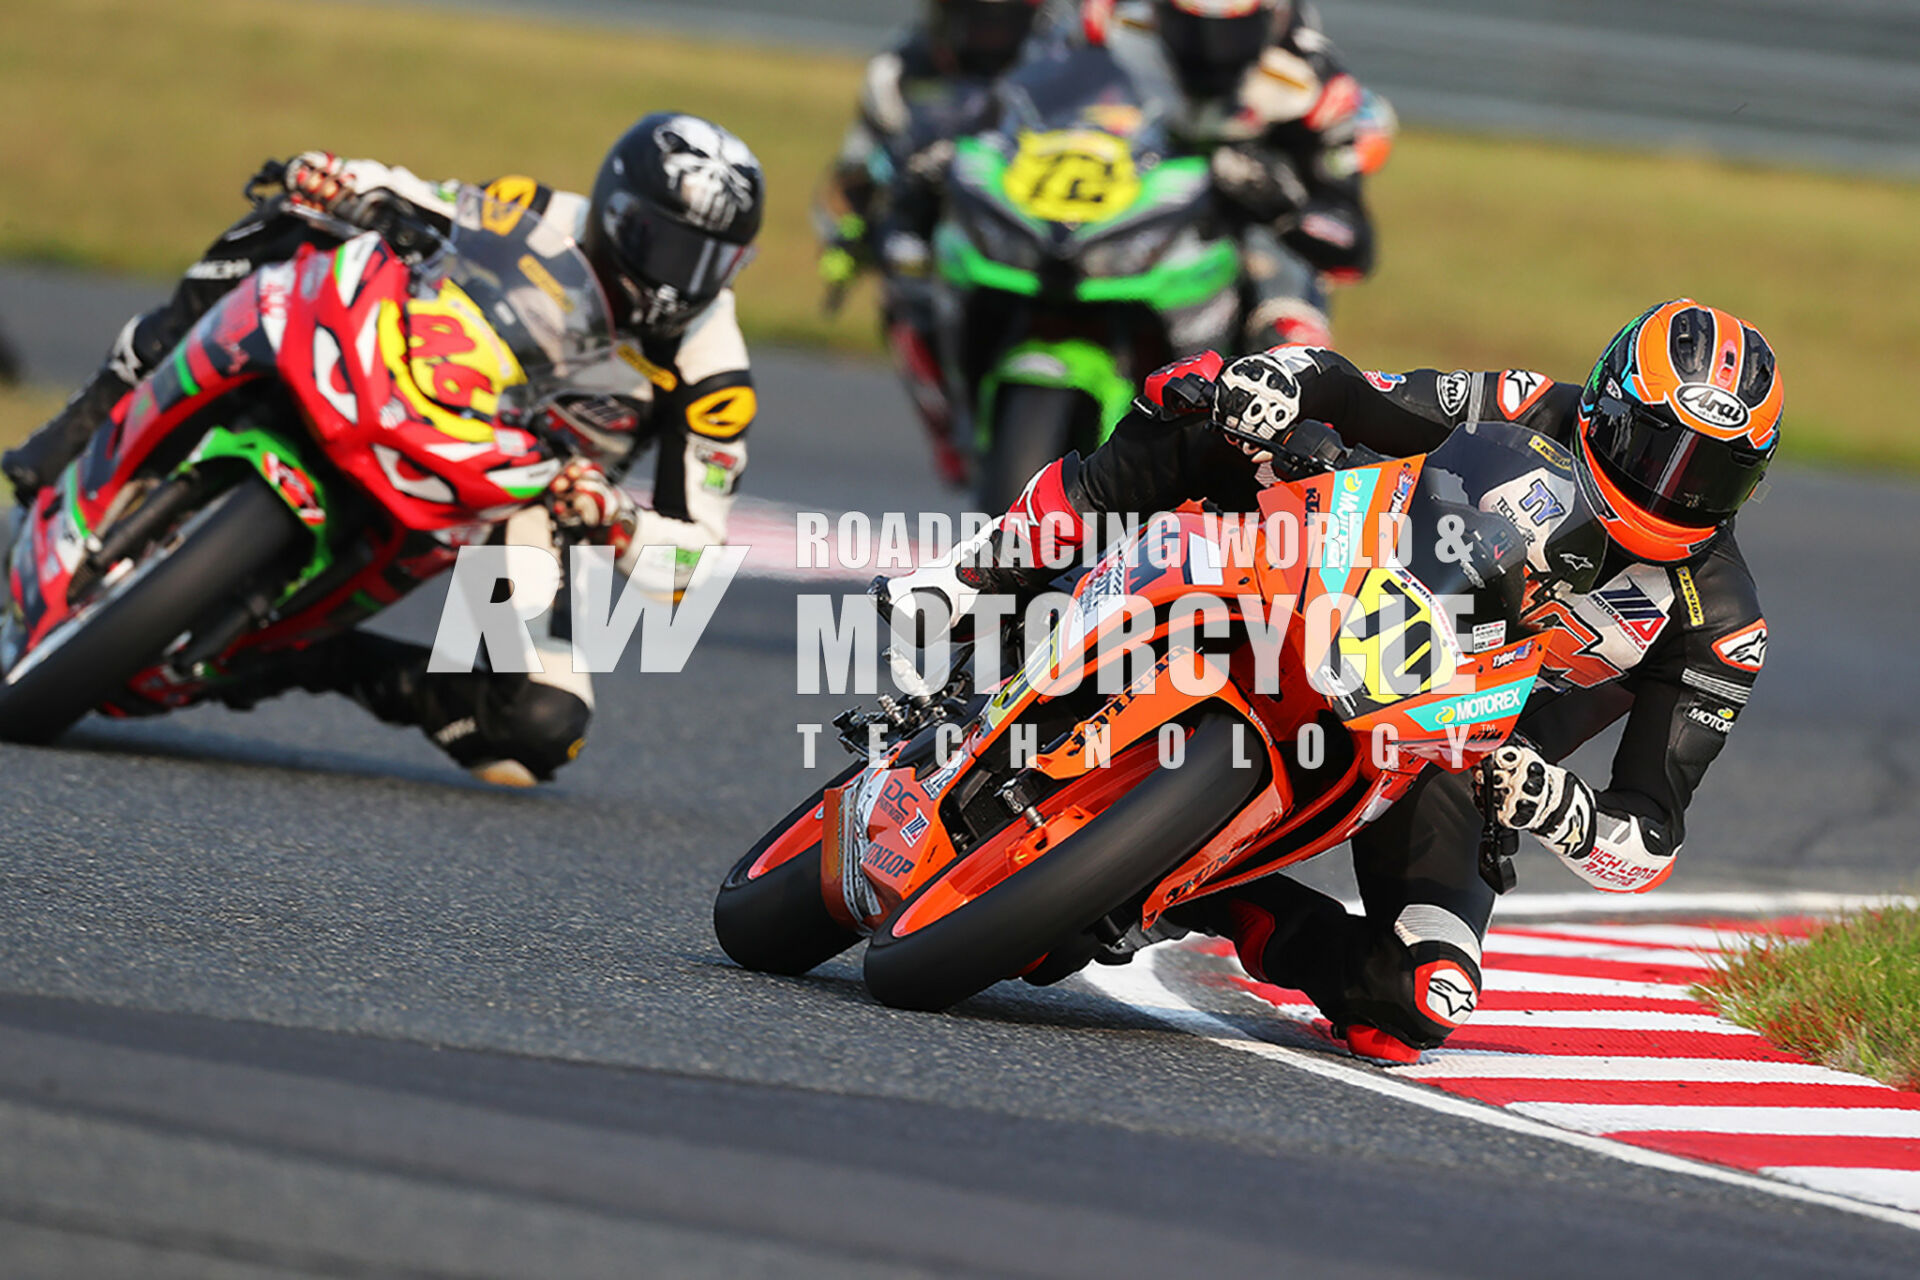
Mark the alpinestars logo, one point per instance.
(1745, 648)
(713, 171)
(1447, 993)
(1519, 388)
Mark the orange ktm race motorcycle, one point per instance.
(966, 866)
(324, 440)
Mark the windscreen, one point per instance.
(1497, 504)
(532, 283)
(1084, 87)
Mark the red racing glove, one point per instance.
(1183, 389)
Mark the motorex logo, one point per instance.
(1473, 707)
(1352, 495)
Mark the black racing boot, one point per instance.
(38, 462)
(503, 728)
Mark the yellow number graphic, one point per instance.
(1392, 640)
(1072, 175)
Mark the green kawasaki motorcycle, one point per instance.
(1078, 254)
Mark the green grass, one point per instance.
(131, 126)
(1848, 996)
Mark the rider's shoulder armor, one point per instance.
(883, 102)
(1509, 395)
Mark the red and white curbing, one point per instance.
(1589, 1027)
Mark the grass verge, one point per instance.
(1848, 996)
(134, 124)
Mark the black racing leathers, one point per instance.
(1674, 649)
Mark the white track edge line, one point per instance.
(1140, 987)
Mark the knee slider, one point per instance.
(1422, 980)
(541, 726)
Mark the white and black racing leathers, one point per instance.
(691, 394)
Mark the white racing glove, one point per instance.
(1613, 854)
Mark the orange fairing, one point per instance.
(1019, 842)
(884, 839)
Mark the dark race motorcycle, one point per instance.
(1080, 252)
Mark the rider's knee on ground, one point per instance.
(1418, 978)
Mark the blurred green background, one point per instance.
(131, 125)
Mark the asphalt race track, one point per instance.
(285, 994)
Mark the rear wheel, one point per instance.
(127, 626)
(1005, 904)
(1031, 427)
(769, 915)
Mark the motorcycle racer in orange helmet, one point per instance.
(1670, 434)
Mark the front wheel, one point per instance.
(769, 915)
(1031, 427)
(945, 944)
(129, 624)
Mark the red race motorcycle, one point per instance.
(324, 440)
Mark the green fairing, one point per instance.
(251, 445)
(1086, 367)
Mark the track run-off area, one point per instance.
(283, 993)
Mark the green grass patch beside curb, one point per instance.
(1848, 996)
(130, 126)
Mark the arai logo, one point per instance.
(1712, 405)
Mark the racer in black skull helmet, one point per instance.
(671, 220)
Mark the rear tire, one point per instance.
(777, 922)
(1031, 427)
(1144, 834)
(221, 548)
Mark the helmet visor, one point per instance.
(1213, 53)
(661, 252)
(1676, 473)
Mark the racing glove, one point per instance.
(1258, 182)
(318, 179)
(1612, 853)
(585, 502)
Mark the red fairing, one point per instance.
(1206, 365)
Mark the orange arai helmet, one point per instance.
(1678, 422)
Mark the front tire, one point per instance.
(220, 548)
(1031, 427)
(776, 921)
(1164, 819)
